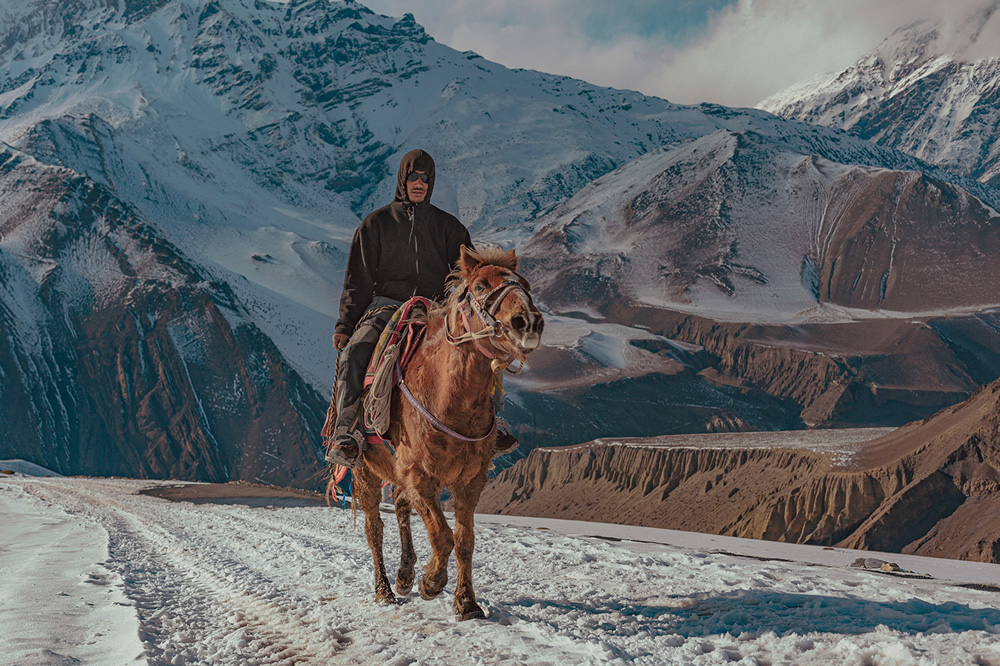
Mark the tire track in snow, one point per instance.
(216, 583)
(225, 584)
(195, 602)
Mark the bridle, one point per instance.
(486, 308)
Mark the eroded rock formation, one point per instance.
(929, 488)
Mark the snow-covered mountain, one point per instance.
(256, 133)
(739, 226)
(119, 356)
(248, 137)
(790, 274)
(931, 90)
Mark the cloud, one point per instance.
(735, 54)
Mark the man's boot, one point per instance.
(506, 442)
(346, 449)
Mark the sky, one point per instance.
(732, 52)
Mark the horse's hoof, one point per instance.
(403, 589)
(474, 613)
(387, 599)
(425, 592)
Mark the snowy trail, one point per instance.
(232, 584)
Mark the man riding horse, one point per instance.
(405, 249)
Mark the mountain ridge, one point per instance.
(120, 358)
(926, 90)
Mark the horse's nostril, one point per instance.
(518, 323)
(539, 325)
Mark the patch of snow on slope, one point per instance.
(841, 444)
(605, 343)
(25, 468)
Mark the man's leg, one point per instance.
(348, 433)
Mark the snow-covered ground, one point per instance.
(92, 572)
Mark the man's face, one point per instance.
(416, 187)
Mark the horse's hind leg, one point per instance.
(408, 558)
(367, 492)
(442, 541)
(466, 498)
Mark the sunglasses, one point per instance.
(416, 175)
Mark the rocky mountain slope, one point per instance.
(120, 357)
(736, 225)
(255, 134)
(928, 488)
(856, 295)
(930, 90)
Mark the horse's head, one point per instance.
(500, 297)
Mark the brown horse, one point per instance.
(488, 322)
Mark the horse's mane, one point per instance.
(455, 285)
(495, 256)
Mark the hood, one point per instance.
(415, 160)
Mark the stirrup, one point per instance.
(346, 450)
(506, 442)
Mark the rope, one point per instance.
(469, 335)
(377, 404)
(491, 330)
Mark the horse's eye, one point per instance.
(478, 288)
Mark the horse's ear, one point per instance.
(468, 261)
(510, 259)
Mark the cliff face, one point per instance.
(928, 488)
(118, 356)
(876, 372)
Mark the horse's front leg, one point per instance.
(408, 557)
(466, 499)
(367, 492)
(428, 504)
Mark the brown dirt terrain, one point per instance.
(240, 492)
(927, 488)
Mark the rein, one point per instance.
(485, 308)
(432, 419)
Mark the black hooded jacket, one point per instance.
(401, 250)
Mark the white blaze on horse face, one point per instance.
(527, 334)
(533, 337)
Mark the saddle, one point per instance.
(399, 339)
(395, 347)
